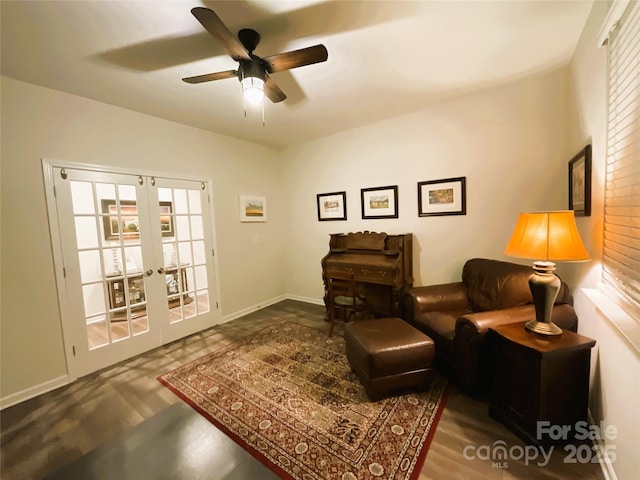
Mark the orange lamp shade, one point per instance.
(549, 236)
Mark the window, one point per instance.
(621, 255)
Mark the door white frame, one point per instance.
(48, 166)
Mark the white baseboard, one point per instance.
(32, 392)
(253, 308)
(605, 464)
(266, 303)
(314, 301)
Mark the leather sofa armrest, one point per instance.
(478, 323)
(472, 350)
(442, 297)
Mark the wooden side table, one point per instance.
(539, 378)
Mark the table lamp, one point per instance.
(546, 237)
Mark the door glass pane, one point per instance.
(195, 207)
(175, 314)
(112, 261)
(105, 191)
(167, 222)
(170, 255)
(90, 268)
(180, 201)
(117, 294)
(127, 222)
(86, 232)
(164, 194)
(82, 197)
(190, 309)
(189, 283)
(140, 322)
(119, 330)
(127, 192)
(197, 231)
(202, 301)
(133, 260)
(176, 285)
(97, 333)
(184, 253)
(136, 290)
(93, 299)
(201, 277)
(182, 223)
(198, 253)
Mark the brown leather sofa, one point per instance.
(458, 315)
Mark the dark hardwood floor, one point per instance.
(44, 434)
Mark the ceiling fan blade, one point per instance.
(212, 24)
(208, 77)
(272, 90)
(296, 58)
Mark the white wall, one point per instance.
(615, 389)
(41, 123)
(510, 142)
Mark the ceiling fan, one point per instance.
(253, 71)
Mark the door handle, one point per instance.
(161, 270)
(149, 272)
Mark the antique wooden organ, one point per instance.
(381, 263)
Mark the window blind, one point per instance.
(621, 254)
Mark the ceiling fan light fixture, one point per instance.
(253, 89)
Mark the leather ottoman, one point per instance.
(388, 354)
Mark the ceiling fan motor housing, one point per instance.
(251, 68)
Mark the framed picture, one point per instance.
(379, 202)
(129, 221)
(580, 183)
(253, 209)
(332, 206)
(442, 197)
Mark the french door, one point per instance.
(137, 263)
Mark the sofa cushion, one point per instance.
(441, 327)
(442, 324)
(496, 285)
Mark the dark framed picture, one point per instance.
(580, 183)
(332, 206)
(442, 197)
(128, 223)
(379, 202)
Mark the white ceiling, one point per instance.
(386, 58)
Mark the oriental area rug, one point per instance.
(287, 395)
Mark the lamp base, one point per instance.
(544, 287)
(543, 328)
